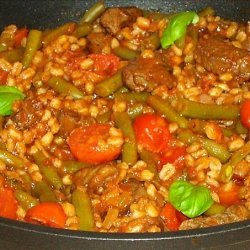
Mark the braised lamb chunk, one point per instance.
(30, 114)
(145, 74)
(219, 56)
(113, 19)
(98, 41)
(232, 214)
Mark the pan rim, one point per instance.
(201, 232)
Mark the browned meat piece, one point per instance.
(98, 41)
(114, 19)
(219, 56)
(145, 74)
(29, 115)
(234, 213)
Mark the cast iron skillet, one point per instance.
(18, 235)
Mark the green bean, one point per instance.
(157, 15)
(216, 208)
(82, 204)
(152, 42)
(70, 167)
(64, 87)
(125, 53)
(199, 126)
(52, 177)
(129, 150)
(65, 29)
(3, 47)
(39, 158)
(103, 118)
(187, 136)
(122, 89)
(110, 85)
(25, 199)
(226, 171)
(149, 158)
(193, 109)
(208, 11)
(213, 148)
(163, 107)
(44, 192)
(50, 174)
(83, 30)
(93, 13)
(135, 110)
(11, 160)
(132, 96)
(240, 129)
(33, 43)
(13, 55)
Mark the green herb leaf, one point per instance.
(190, 199)
(177, 27)
(8, 95)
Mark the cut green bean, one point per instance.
(104, 118)
(44, 192)
(109, 85)
(82, 204)
(64, 87)
(93, 13)
(193, 109)
(135, 110)
(125, 53)
(26, 200)
(3, 47)
(216, 208)
(152, 42)
(226, 171)
(240, 129)
(129, 150)
(33, 44)
(11, 160)
(163, 107)
(65, 29)
(70, 167)
(213, 148)
(149, 158)
(83, 30)
(49, 173)
(157, 15)
(52, 177)
(13, 55)
(132, 96)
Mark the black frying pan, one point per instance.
(18, 235)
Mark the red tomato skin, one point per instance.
(172, 217)
(175, 156)
(20, 34)
(83, 143)
(230, 197)
(47, 213)
(3, 77)
(245, 114)
(105, 64)
(8, 203)
(152, 132)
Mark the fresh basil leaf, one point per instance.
(190, 199)
(8, 95)
(177, 27)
